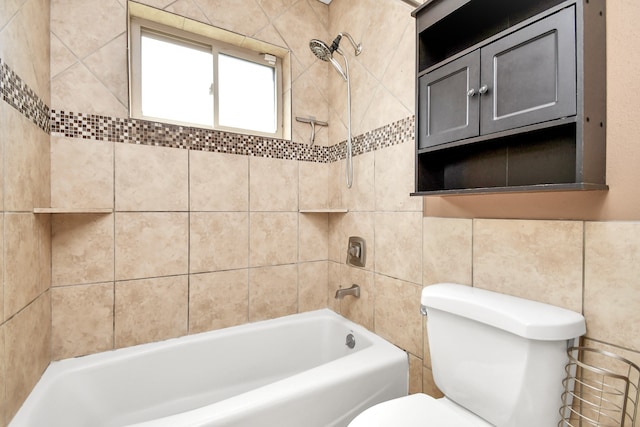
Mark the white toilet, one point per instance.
(498, 359)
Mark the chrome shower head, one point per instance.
(320, 49)
(325, 53)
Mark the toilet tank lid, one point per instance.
(526, 318)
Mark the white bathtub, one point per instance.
(292, 371)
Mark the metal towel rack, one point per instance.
(313, 122)
(601, 390)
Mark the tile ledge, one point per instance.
(72, 210)
(324, 210)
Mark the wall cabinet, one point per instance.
(510, 96)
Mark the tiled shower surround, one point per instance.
(201, 239)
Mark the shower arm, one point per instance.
(356, 46)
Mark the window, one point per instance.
(190, 79)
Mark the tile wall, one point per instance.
(200, 240)
(25, 242)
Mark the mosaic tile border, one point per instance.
(135, 131)
(19, 95)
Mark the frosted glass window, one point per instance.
(246, 94)
(176, 81)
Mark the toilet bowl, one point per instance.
(499, 360)
(418, 410)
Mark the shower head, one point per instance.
(325, 53)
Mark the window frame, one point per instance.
(139, 25)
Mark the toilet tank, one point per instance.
(499, 356)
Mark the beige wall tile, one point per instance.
(394, 179)
(245, 20)
(397, 316)
(22, 262)
(82, 320)
(149, 178)
(429, 386)
(151, 244)
(399, 245)
(150, 310)
(82, 249)
(313, 278)
(218, 300)
(313, 237)
(26, 165)
(81, 173)
(447, 250)
(336, 237)
(78, 89)
(43, 225)
(273, 184)
(273, 238)
(27, 350)
(218, 182)
(3, 399)
(24, 42)
(612, 282)
(297, 26)
(3, 115)
(69, 20)
(361, 195)
(109, 65)
(336, 181)
(536, 260)
(273, 292)
(401, 63)
(2, 274)
(314, 185)
(359, 310)
(415, 374)
(218, 241)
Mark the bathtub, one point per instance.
(293, 371)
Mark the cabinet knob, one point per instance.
(483, 89)
(471, 92)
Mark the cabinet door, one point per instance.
(530, 76)
(448, 102)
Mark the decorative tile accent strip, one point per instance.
(20, 96)
(88, 126)
(135, 131)
(377, 139)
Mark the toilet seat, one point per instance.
(417, 410)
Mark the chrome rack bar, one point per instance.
(313, 122)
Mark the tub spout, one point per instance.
(353, 290)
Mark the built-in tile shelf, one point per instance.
(324, 210)
(72, 210)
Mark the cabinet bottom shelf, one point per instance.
(579, 186)
(544, 160)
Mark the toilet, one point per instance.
(499, 360)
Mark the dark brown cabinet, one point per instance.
(503, 96)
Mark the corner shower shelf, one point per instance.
(72, 210)
(324, 210)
